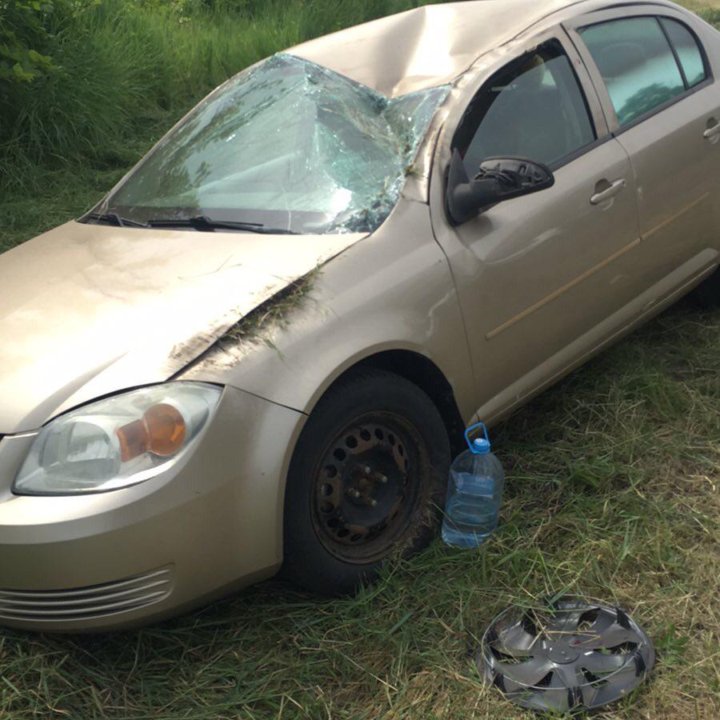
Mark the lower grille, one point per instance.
(113, 598)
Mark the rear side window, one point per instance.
(688, 52)
(637, 64)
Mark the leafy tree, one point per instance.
(24, 40)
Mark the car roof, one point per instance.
(430, 45)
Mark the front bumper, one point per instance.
(208, 525)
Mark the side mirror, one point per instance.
(499, 178)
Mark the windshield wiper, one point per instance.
(111, 218)
(206, 224)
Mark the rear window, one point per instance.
(688, 51)
(637, 64)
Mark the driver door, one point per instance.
(537, 273)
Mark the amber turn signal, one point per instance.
(161, 431)
(166, 429)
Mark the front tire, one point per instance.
(366, 482)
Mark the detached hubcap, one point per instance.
(363, 491)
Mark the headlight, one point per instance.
(116, 442)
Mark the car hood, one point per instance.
(87, 310)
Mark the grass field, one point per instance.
(612, 493)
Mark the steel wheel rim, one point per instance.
(364, 487)
(570, 656)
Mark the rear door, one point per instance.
(663, 106)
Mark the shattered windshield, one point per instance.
(287, 144)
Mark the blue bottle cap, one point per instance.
(480, 446)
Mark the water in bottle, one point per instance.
(474, 493)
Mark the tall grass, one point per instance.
(124, 68)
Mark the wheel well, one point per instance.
(423, 372)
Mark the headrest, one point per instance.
(620, 59)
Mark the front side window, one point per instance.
(288, 145)
(638, 64)
(533, 108)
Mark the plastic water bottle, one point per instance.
(474, 493)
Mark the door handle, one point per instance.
(609, 192)
(712, 132)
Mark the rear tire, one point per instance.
(366, 482)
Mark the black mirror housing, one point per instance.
(498, 179)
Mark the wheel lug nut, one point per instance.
(367, 470)
(383, 479)
(373, 503)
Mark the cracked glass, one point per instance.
(287, 144)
